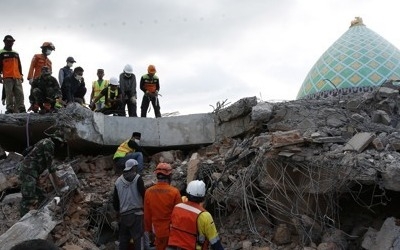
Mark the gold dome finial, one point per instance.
(357, 21)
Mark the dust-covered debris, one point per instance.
(310, 174)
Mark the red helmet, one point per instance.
(48, 45)
(163, 168)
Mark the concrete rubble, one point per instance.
(305, 174)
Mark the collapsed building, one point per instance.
(320, 172)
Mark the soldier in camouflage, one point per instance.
(45, 92)
(34, 164)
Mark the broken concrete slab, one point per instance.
(236, 110)
(36, 224)
(192, 167)
(359, 142)
(83, 127)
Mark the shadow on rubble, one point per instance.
(364, 207)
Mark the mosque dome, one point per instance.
(358, 61)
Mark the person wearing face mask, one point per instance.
(112, 99)
(66, 70)
(46, 93)
(40, 60)
(129, 149)
(127, 81)
(97, 87)
(73, 88)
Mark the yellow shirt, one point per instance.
(207, 228)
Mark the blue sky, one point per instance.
(205, 51)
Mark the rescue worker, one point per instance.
(66, 70)
(73, 88)
(112, 99)
(128, 198)
(46, 93)
(159, 201)
(40, 60)
(192, 227)
(97, 87)
(127, 81)
(129, 149)
(150, 85)
(11, 77)
(37, 160)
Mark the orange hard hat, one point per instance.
(48, 45)
(151, 69)
(163, 168)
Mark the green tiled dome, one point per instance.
(358, 61)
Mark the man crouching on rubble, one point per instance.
(128, 202)
(129, 149)
(34, 164)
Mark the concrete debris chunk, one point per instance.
(359, 142)
(280, 139)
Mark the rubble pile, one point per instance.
(311, 174)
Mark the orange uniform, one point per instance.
(159, 201)
(10, 64)
(38, 61)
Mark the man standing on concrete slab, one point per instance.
(128, 199)
(127, 82)
(129, 149)
(150, 85)
(66, 70)
(11, 77)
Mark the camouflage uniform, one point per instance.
(45, 89)
(38, 160)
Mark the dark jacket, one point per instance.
(72, 88)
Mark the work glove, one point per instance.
(58, 103)
(133, 100)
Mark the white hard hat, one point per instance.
(196, 188)
(114, 81)
(128, 69)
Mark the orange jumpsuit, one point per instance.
(159, 201)
(38, 61)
